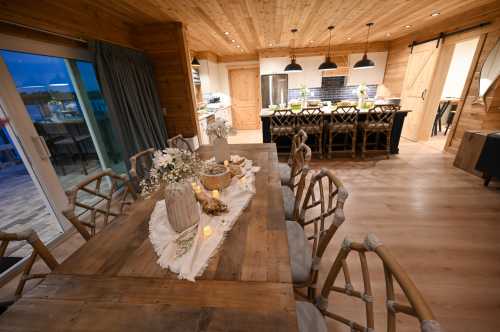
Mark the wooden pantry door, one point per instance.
(245, 97)
(416, 86)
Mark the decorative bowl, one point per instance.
(217, 178)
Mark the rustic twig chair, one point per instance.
(323, 208)
(282, 124)
(140, 164)
(285, 169)
(416, 307)
(343, 121)
(180, 143)
(39, 249)
(379, 120)
(311, 120)
(292, 192)
(91, 196)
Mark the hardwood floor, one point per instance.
(440, 223)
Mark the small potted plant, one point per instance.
(218, 131)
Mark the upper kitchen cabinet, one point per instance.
(209, 76)
(310, 76)
(369, 75)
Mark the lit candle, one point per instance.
(197, 189)
(194, 185)
(207, 231)
(215, 194)
(226, 163)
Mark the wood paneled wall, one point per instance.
(164, 43)
(399, 51)
(166, 46)
(472, 115)
(76, 19)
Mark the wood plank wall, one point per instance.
(166, 46)
(473, 116)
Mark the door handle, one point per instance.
(41, 146)
(423, 94)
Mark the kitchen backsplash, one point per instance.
(333, 88)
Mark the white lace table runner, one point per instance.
(188, 253)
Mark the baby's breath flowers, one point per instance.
(169, 166)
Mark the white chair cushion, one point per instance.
(300, 252)
(285, 172)
(310, 318)
(288, 202)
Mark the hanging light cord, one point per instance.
(330, 40)
(293, 43)
(368, 36)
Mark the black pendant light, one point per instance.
(293, 66)
(195, 62)
(365, 63)
(328, 64)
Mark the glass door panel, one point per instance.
(22, 200)
(97, 112)
(66, 107)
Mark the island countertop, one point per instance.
(266, 112)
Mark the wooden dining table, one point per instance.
(113, 282)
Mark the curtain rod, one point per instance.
(443, 35)
(81, 40)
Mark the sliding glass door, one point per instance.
(66, 107)
(59, 132)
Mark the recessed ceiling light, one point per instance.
(238, 46)
(233, 41)
(270, 44)
(348, 38)
(435, 14)
(388, 34)
(311, 41)
(226, 33)
(407, 26)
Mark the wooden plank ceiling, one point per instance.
(254, 25)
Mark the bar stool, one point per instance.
(343, 121)
(379, 121)
(310, 120)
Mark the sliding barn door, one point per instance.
(416, 85)
(244, 86)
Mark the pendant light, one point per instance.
(365, 63)
(328, 64)
(195, 62)
(293, 66)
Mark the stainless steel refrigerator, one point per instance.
(274, 89)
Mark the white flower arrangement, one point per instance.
(169, 166)
(362, 91)
(219, 128)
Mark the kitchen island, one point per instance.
(284, 146)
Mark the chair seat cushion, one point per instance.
(309, 318)
(285, 172)
(342, 127)
(311, 128)
(281, 130)
(376, 126)
(300, 252)
(288, 202)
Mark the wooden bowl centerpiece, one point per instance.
(215, 177)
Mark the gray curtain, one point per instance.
(128, 85)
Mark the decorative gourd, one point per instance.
(182, 208)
